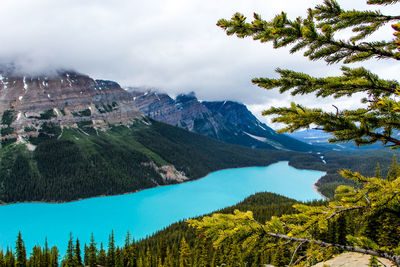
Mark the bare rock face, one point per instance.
(185, 111)
(227, 121)
(351, 259)
(65, 98)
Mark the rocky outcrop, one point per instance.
(168, 172)
(185, 111)
(351, 259)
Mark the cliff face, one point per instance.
(227, 121)
(65, 98)
(185, 111)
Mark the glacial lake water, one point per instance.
(148, 211)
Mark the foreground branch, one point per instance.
(344, 210)
(387, 138)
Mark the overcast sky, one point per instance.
(173, 45)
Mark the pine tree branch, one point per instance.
(295, 252)
(362, 47)
(392, 257)
(362, 126)
(381, 136)
(302, 33)
(344, 210)
(382, 2)
(352, 81)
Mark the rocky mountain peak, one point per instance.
(64, 98)
(236, 113)
(184, 98)
(227, 121)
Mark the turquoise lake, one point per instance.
(147, 211)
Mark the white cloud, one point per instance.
(170, 44)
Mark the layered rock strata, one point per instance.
(65, 98)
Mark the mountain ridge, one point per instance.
(227, 121)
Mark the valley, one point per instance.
(88, 146)
(127, 137)
(67, 136)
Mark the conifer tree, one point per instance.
(101, 259)
(46, 254)
(129, 257)
(36, 257)
(78, 256)
(202, 257)
(175, 254)
(394, 170)
(110, 262)
(184, 254)
(54, 257)
(373, 199)
(140, 262)
(9, 259)
(127, 240)
(20, 252)
(86, 255)
(159, 262)
(147, 258)
(69, 260)
(168, 259)
(119, 257)
(2, 263)
(129, 251)
(378, 172)
(92, 252)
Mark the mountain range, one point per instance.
(318, 138)
(227, 121)
(67, 136)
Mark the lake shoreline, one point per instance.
(315, 188)
(149, 211)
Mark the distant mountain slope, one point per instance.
(248, 125)
(320, 138)
(227, 121)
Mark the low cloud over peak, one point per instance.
(169, 44)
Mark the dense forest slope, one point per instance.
(201, 251)
(84, 162)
